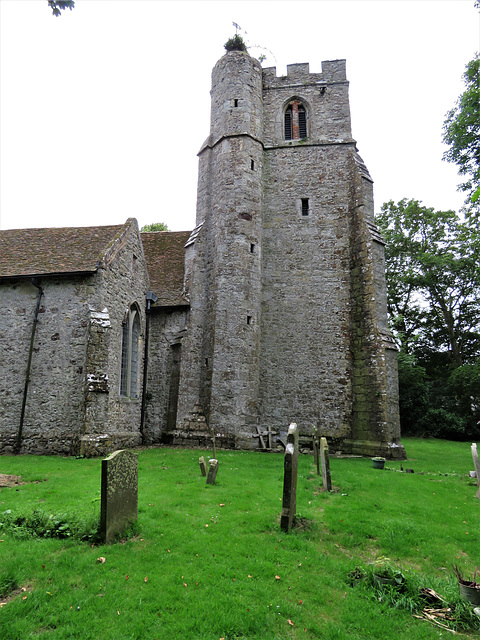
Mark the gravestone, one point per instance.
(203, 465)
(119, 494)
(289, 503)
(325, 461)
(212, 472)
(476, 464)
(316, 448)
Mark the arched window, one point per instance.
(295, 121)
(129, 367)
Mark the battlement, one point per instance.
(333, 71)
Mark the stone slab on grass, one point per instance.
(119, 505)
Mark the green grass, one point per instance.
(179, 578)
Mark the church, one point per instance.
(271, 310)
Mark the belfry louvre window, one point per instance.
(295, 121)
(130, 364)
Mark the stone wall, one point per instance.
(167, 330)
(53, 420)
(288, 311)
(113, 421)
(305, 293)
(219, 373)
(73, 403)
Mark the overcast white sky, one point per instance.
(104, 109)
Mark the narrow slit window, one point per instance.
(252, 248)
(235, 102)
(305, 207)
(252, 165)
(249, 319)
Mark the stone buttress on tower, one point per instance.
(285, 269)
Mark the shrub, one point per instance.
(235, 44)
(440, 423)
(43, 525)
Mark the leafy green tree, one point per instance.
(433, 279)
(433, 288)
(57, 6)
(461, 132)
(155, 226)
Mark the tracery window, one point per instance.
(129, 374)
(295, 121)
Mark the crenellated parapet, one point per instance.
(333, 71)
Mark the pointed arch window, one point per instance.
(295, 121)
(129, 374)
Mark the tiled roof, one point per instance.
(165, 256)
(64, 250)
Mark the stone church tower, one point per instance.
(284, 272)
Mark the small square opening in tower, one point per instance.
(305, 207)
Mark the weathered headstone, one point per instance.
(325, 461)
(316, 448)
(476, 464)
(119, 494)
(212, 472)
(203, 465)
(289, 503)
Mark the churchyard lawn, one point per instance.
(206, 562)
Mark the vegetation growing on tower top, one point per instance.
(235, 44)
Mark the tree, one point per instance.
(57, 6)
(433, 279)
(433, 290)
(155, 226)
(461, 132)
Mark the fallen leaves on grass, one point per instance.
(290, 623)
(101, 560)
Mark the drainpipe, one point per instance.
(151, 298)
(18, 444)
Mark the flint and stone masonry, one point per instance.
(272, 310)
(285, 270)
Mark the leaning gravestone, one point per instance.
(203, 465)
(212, 472)
(476, 464)
(119, 504)
(325, 460)
(289, 503)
